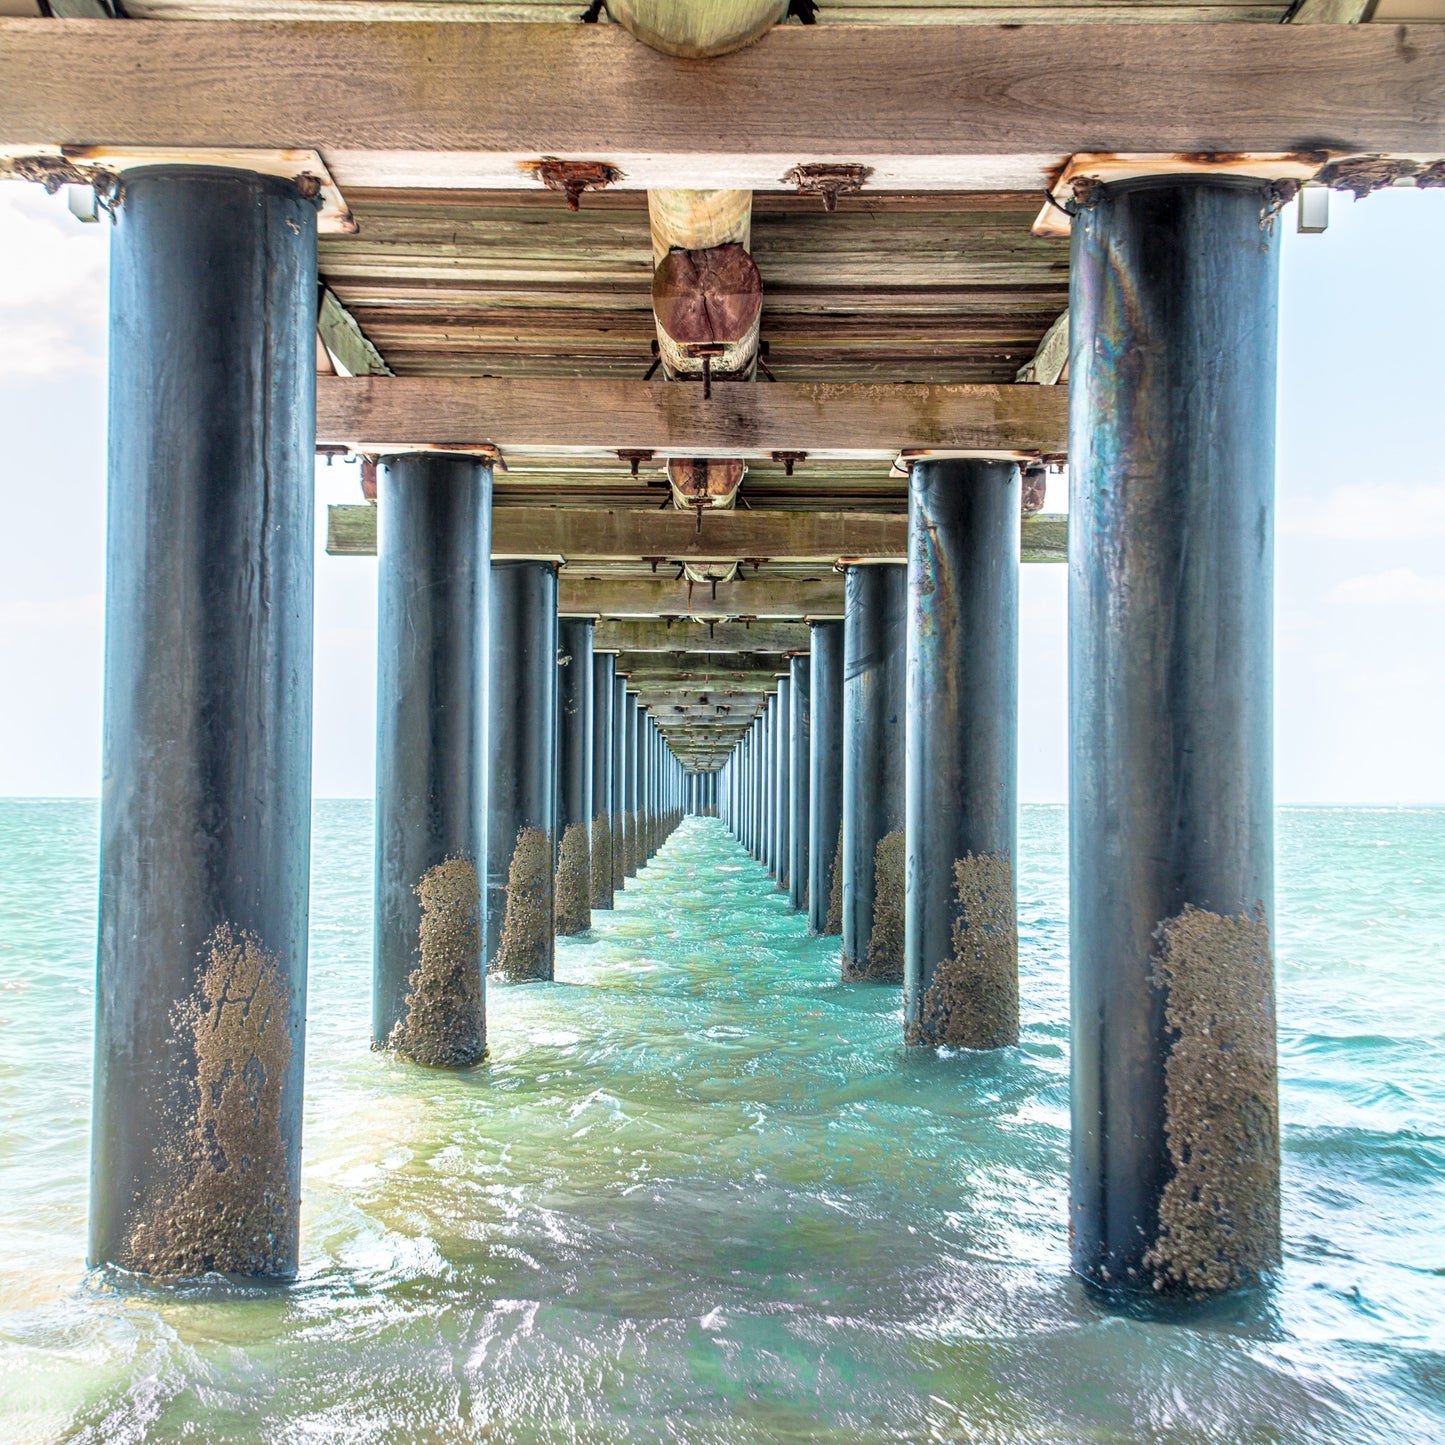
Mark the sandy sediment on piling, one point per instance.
(572, 890)
(972, 1001)
(1219, 1223)
(834, 924)
(223, 1199)
(885, 943)
(445, 1021)
(602, 861)
(525, 950)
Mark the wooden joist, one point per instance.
(757, 597)
(454, 105)
(596, 417)
(616, 534)
(343, 338)
(703, 666)
(647, 636)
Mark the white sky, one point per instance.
(1360, 614)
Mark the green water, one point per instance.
(701, 1193)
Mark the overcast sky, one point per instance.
(1360, 616)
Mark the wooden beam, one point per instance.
(697, 29)
(597, 417)
(632, 534)
(705, 666)
(1046, 366)
(468, 105)
(681, 706)
(343, 338)
(639, 636)
(1329, 12)
(598, 597)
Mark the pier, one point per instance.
(708, 377)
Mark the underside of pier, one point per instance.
(712, 366)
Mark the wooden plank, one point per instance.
(926, 12)
(596, 417)
(426, 104)
(1047, 365)
(637, 636)
(343, 338)
(757, 597)
(1329, 12)
(703, 666)
(677, 704)
(632, 534)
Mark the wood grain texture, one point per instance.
(636, 597)
(459, 104)
(643, 636)
(922, 287)
(589, 535)
(830, 12)
(344, 339)
(597, 417)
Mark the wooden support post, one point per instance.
(697, 29)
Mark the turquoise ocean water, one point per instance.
(701, 1193)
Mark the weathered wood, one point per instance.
(638, 636)
(697, 29)
(698, 220)
(706, 290)
(865, 12)
(1046, 368)
(919, 287)
(678, 703)
(396, 104)
(1330, 12)
(711, 298)
(704, 666)
(757, 597)
(716, 688)
(343, 338)
(633, 534)
(597, 417)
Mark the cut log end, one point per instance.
(708, 298)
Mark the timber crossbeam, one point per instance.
(472, 105)
(598, 417)
(632, 534)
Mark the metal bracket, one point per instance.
(574, 177)
(635, 456)
(829, 179)
(789, 459)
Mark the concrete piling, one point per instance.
(522, 749)
(604, 698)
(800, 728)
(825, 772)
(573, 887)
(434, 539)
(875, 614)
(961, 937)
(1173, 300)
(206, 804)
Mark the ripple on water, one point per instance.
(699, 1191)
